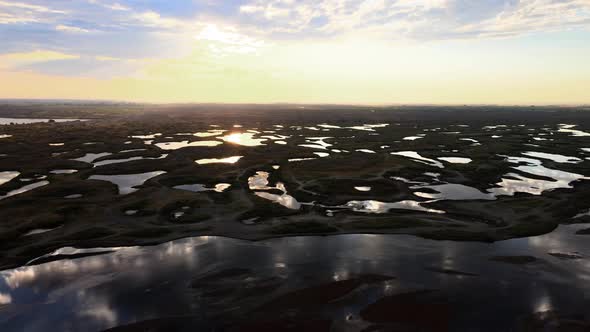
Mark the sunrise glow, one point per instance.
(265, 51)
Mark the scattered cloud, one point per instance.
(68, 28)
(112, 6)
(24, 13)
(6, 18)
(106, 58)
(42, 56)
(418, 19)
(117, 6)
(11, 60)
(32, 7)
(532, 16)
(224, 40)
(303, 44)
(155, 20)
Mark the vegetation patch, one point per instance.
(303, 228)
(457, 235)
(384, 223)
(518, 260)
(529, 229)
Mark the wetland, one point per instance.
(385, 208)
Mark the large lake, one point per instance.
(139, 283)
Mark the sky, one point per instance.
(309, 51)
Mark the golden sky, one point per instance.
(345, 52)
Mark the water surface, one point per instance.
(7, 176)
(133, 284)
(24, 189)
(127, 182)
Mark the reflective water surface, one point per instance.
(567, 128)
(63, 171)
(259, 181)
(452, 191)
(417, 157)
(125, 160)
(220, 187)
(245, 139)
(518, 182)
(24, 189)
(552, 156)
(228, 160)
(209, 133)
(90, 157)
(127, 182)
(184, 144)
(371, 206)
(456, 160)
(8, 176)
(134, 284)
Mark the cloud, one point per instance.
(417, 19)
(14, 60)
(223, 40)
(6, 18)
(155, 20)
(269, 11)
(112, 6)
(106, 58)
(531, 16)
(117, 6)
(309, 19)
(68, 28)
(121, 38)
(122, 29)
(27, 6)
(23, 13)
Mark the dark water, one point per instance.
(139, 283)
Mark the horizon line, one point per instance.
(114, 101)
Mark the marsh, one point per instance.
(330, 195)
